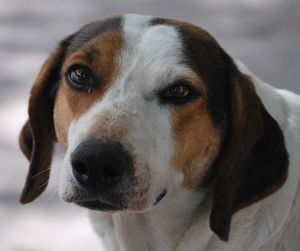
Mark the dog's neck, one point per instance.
(161, 227)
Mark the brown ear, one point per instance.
(37, 136)
(25, 140)
(254, 161)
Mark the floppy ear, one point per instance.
(37, 135)
(254, 161)
(25, 140)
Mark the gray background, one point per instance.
(264, 34)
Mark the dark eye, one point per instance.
(178, 93)
(79, 77)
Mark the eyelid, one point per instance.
(77, 65)
(168, 99)
(183, 81)
(72, 62)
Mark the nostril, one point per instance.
(81, 170)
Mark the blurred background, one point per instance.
(264, 34)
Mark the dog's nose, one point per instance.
(98, 165)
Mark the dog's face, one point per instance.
(144, 106)
(132, 92)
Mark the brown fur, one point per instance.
(197, 142)
(198, 139)
(26, 141)
(101, 57)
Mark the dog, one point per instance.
(170, 143)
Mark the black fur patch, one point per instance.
(93, 30)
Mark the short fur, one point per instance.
(220, 172)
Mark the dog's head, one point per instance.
(143, 106)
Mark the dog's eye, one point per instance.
(178, 93)
(79, 77)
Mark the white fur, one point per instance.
(131, 108)
(181, 220)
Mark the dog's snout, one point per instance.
(98, 165)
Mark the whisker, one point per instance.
(47, 169)
(45, 184)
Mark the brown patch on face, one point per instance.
(202, 53)
(101, 57)
(198, 126)
(197, 142)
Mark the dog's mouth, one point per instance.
(112, 201)
(100, 202)
(101, 206)
(105, 206)
(160, 197)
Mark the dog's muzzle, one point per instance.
(102, 171)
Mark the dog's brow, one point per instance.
(92, 54)
(94, 30)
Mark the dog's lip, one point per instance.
(160, 196)
(95, 203)
(100, 205)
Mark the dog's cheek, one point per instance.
(197, 143)
(62, 118)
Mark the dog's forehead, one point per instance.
(152, 54)
(153, 49)
(141, 36)
(151, 39)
